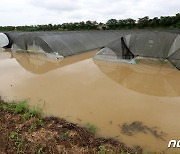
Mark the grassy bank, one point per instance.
(23, 129)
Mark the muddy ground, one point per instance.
(36, 134)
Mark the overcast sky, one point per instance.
(33, 12)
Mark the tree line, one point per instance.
(163, 22)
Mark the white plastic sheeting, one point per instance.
(4, 41)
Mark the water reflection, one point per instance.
(82, 94)
(5, 54)
(147, 77)
(40, 63)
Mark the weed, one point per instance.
(40, 123)
(35, 125)
(40, 151)
(35, 112)
(13, 135)
(11, 106)
(26, 116)
(19, 143)
(8, 107)
(91, 128)
(67, 134)
(102, 150)
(4, 107)
(21, 106)
(32, 112)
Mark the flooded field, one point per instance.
(143, 99)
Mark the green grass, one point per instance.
(19, 143)
(21, 107)
(18, 140)
(67, 134)
(26, 116)
(40, 151)
(35, 125)
(102, 150)
(4, 107)
(13, 135)
(91, 128)
(35, 111)
(32, 112)
(16, 107)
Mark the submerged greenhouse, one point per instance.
(114, 45)
(66, 43)
(152, 44)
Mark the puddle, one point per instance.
(107, 95)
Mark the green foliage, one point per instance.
(143, 22)
(19, 143)
(18, 140)
(40, 123)
(35, 125)
(21, 107)
(17, 107)
(91, 128)
(26, 116)
(4, 107)
(67, 134)
(102, 150)
(172, 22)
(11, 106)
(40, 151)
(35, 112)
(13, 135)
(32, 112)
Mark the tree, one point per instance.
(130, 23)
(154, 22)
(112, 24)
(143, 22)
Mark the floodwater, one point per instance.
(105, 94)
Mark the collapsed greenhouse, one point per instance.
(66, 43)
(152, 44)
(118, 45)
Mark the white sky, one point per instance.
(33, 12)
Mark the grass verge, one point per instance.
(24, 130)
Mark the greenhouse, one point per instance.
(66, 43)
(114, 45)
(4, 41)
(152, 44)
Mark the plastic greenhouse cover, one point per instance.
(67, 43)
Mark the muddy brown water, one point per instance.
(101, 93)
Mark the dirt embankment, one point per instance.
(24, 130)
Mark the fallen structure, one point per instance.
(152, 44)
(66, 43)
(115, 45)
